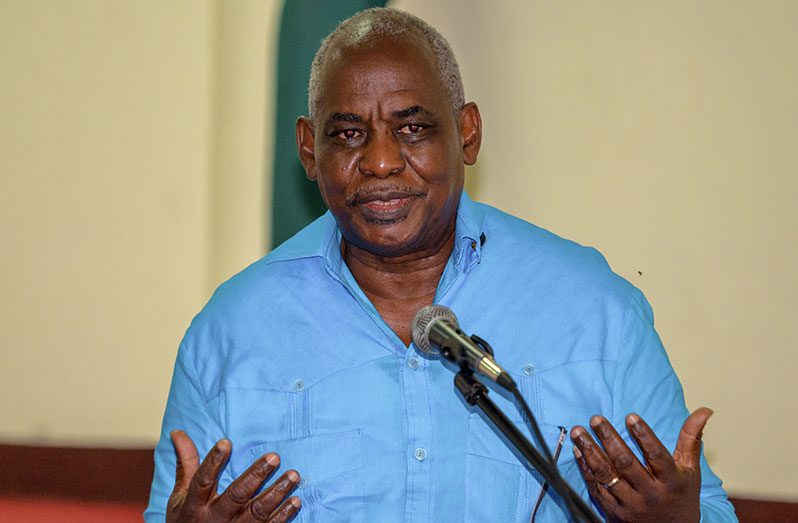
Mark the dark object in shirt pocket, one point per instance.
(508, 490)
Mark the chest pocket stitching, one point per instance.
(347, 457)
(300, 417)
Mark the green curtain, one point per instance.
(304, 23)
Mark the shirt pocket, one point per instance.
(500, 488)
(332, 486)
(495, 479)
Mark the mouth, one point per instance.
(385, 206)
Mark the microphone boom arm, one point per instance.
(476, 394)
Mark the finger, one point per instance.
(187, 459)
(625, 463)
(287, 511)
(596, 489)
(659, 460)
(266, 504)
(595, 458)
(587, 474)
(203, 484)
(688, 447)
(241, 490)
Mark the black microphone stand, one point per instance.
(476, 394)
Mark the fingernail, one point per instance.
(579, 435)
(293, 476)
(595, 421)
(273, 459)
(577, 453)
(222, 446)
(295, 502)
(580, 439)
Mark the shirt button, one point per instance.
(529, 369)
(303, 481)
(299, 385)
(412, 363)
(421, 454)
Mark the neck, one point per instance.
(400, 286)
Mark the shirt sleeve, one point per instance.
(647, 385)
(185, 410)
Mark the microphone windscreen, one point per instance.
(424, 319)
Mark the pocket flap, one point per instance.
(317, 457)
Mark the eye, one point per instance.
(412, 128)
(347, 134)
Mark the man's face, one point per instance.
(386, 148)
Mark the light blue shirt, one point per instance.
(290, 356)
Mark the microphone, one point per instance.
(435, 330)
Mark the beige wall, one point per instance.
(132, 144)
(134, 136)
(666, 135)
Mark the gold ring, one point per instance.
(612, 482)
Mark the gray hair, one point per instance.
(385, 21)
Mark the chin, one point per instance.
(387, 249)
(385, 243)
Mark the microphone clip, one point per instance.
(484, 345)
(463, 364)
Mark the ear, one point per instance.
(470, 132)
(305, 146)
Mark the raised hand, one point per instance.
(666, 488)
(194, 497)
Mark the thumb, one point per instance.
(187, 459)
(688, 447)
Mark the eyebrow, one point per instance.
(352, 117)
(344, 117)
(410, 111)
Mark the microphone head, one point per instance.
(423, 321)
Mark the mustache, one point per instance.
(385, 193)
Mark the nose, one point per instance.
(382, 156)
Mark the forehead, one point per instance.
(386, 70)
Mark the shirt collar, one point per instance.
(467, 250)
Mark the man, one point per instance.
(305, 358)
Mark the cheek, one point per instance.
(331, 191)
(336, 177)
(434, 162)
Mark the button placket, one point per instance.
(417, 392)
(300, 420)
